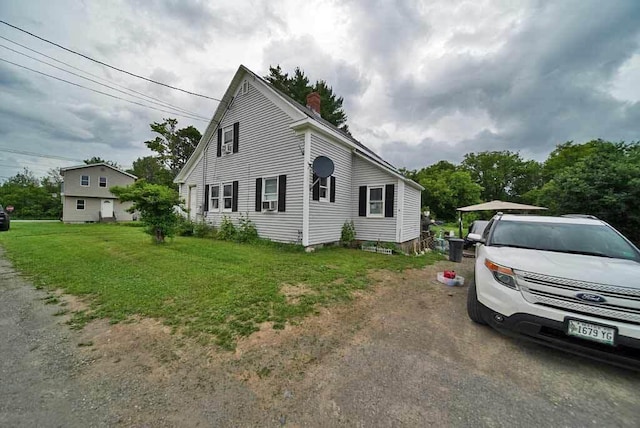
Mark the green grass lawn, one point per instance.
(215, 290)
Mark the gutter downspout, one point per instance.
(305, 188)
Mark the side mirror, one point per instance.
(474, 237)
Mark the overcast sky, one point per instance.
(422, 81)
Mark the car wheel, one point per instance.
(473, 306)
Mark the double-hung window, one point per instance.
(227, 197)
(80, 204)
(324, 188)
(215, 197)
(84, 180)
(270, 194)
(270, 191)
(375, 205)
(227, 139)
(103, 182)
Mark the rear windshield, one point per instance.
(589, 239)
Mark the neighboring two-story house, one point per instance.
(86, 196)
(255, 159)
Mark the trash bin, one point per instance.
(455, 249)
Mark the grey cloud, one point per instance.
(544, 86)
(12, 81)
(346, 79)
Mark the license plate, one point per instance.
(586, 330)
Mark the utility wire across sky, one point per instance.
(103, 93)
(160, 102)
(107, 65)
(38, 155)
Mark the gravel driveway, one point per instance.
(400, 354)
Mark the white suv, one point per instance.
(570, 282)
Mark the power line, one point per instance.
(100, 92)
(161, 102)
(29, 168)
(38, 155)
(196, 116)
(107, 65)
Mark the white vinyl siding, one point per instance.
(326, 218)
(193, 179)
(267, 147)
(411, 213)
(373, 228)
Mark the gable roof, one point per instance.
(304, 113)
(62, 170)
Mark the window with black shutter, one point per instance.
(282, 193)
(362, 201)
(236, 136)
(258, 194)
(234, 205)
(389, 193)
(332, 197)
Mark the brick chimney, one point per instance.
(313, 102)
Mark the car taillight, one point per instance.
(504, 275)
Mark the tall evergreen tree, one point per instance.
(298, 87)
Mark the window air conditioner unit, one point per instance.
(227, 149)
(270, 205)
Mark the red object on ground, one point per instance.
(450, 274)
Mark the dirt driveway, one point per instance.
(401, 354)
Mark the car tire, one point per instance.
(473, 306)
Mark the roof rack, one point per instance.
(592, 217)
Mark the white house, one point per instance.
(255, 159)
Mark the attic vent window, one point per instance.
(245, 87)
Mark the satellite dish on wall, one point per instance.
(323, 166)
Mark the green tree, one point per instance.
(155, 203)
(605, 182)
(567, 155)
(31, 197)
(503, 175)
(446, 187)
(298, 87)
(97, 159)
(152, 171)
(173, 146)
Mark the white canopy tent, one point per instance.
(495, 206)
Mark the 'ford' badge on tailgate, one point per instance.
(591, 297)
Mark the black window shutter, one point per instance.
(236, 133)
(206, 198)
(316, 188)
(282, 193)
(219, 153)
(234, 200)
(332, 195)
(389, 191)
(362, 201)
(258, 194)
